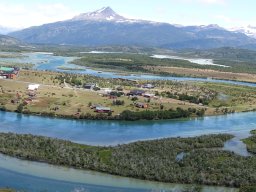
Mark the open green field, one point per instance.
(62, 99)
(58, 98)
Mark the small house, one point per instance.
(141, 105)
(149, 95)
(148, 86)
(105, 91)
(33, 87)
(94, 106)
(9, 72)
(136, 92)
(90, 86)
(102, 110)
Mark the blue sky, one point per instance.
(226, 13)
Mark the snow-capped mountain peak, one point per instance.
(105, 13)
(247, 30)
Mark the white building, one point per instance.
(33, 87)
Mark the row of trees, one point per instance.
(160, 114)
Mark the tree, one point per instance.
(20, 108)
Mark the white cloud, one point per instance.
(230, 22)
(20, 16)
(210, 2)
(213, 1)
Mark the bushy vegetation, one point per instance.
(251, 142)
(201, 163)
(239, 60)
(160, 114)
(132, 62)
(79, 80)
(247, 189)
(197, 99)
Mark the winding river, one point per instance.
(33, 176)
(47, 61)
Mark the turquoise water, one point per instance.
(31, 176)
(44, 61)
(118, 132)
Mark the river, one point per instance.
(32, 176)
(47, 61)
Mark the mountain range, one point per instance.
(106, 27)
(248, 30)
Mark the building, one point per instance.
(148, 86)
(33, 87)
(103, 110)
(136, 92)
(105, 91)
(9, 72)
(94, 106)
(90, 86)
(141, 105)
(149, 95)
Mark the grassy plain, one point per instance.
(58, 98)
(70, 100)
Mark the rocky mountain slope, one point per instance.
(106, 27)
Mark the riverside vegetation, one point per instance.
(197, 160)
(251, 142)
(240, 62)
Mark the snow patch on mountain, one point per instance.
(105, 13)
(247, 30)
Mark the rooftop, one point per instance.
(8, 69)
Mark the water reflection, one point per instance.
(33, 176)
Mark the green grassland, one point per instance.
(56, 98)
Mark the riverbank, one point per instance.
(176, 160)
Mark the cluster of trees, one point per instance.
(79, 80)
(191, 98)
(126, 115)
(118, 102)
(116, 93)
(251, 142)
(160, 114)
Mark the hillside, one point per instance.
(9, 41)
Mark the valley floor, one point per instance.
(56, 97)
